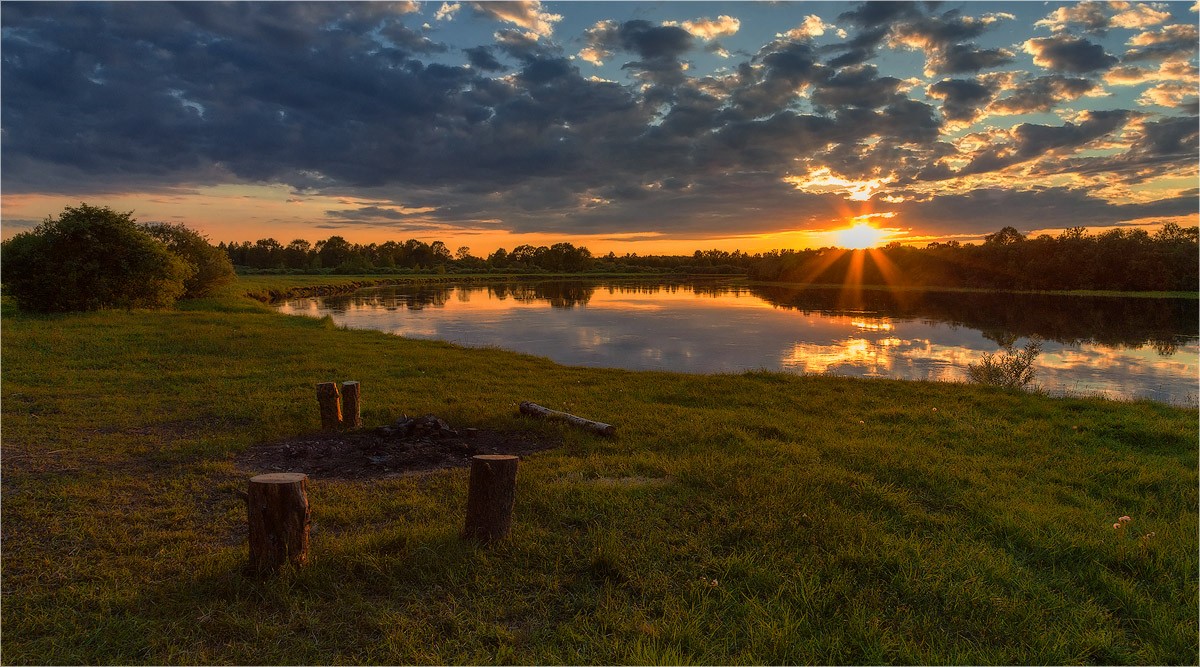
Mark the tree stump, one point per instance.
(351, 407)
(491, 491)
(331, 408)
(279, 517)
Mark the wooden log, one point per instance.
(331, 407)
(535, 410)
(351, 407)
(280, 519)
(491, 492)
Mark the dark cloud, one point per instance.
(1043, 94)
(1030, 141)
(481, 58)
(944, 38)
(657, 47)
(874, 14)
(1064, 53)
(939, 31)
(522, 46)
(1167, 147)
(651, 42)
(874, 21)
(1174, 137)
(989, 209)
(858, 49)
(961, 58)
(859, 86)
(787, 67)
(962, 100)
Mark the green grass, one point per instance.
(798, 520)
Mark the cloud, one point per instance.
(875, 14)
(874, 21)
(481, 58)
(708, 28)
(962, 58)
(812, 26)
(1098, 17)
(1043, 94)
(1178, 95)
(447, 11)
(1171, 42)
(649, 41)
(1170, 70)
(601, 42)
(988, 209)
(527, 14)
(858, 86)
(1068, 54)
(944, 38)
(962, 100)
(1029, 141)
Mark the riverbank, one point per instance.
(757, 517)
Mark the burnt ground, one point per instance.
(408, 446)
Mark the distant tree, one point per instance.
(296, 254)
(498, 259)
(523, 253)
(1175, 233)
(266, 254)
(439, 251)
(90, 258)
(211, 266)
(334, 251)
(1006, 236)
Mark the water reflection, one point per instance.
(1123, 347)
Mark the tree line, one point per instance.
(1118, 259)
(336, 255)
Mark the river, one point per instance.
(1114, 346)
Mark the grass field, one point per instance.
(752, 518)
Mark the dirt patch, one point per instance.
(405, 447)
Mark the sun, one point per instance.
(859, 237)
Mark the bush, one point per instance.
(1010, 368)
(211, 265)
(90, 258)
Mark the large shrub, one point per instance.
(211, 265)
(90, 258)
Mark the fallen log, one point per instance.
(535, 410)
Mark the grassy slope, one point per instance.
(802, 519)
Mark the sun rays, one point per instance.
(852, 248)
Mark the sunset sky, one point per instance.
(630, 127)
